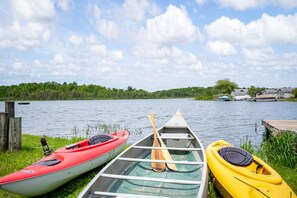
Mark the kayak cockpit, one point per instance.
(95, 141)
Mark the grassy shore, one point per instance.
(32, 151)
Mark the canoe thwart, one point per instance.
(176, 181)
(122, 195)
(178, 136)
(165, 161)
(168, 148)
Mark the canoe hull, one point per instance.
(130, 174)
(245, 181)
(45, 183)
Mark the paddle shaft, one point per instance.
(165, 152)
(157, 154)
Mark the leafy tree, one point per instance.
(294, 92)
(252, 91)
(225, 86)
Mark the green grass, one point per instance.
(31, 152)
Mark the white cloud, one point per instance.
(201, 2)
(65, 4)
(98, 49)
(174, 26)
(148, 50)
(252, 4)
(92, 39)
(57, 60)
(285, 3)
(267, 59)
(239, 4)
(221, 48)
(29, 24)
(266, 30)
(135, 9)
(76, 40)
(116, 55)
(69, 69)
(105, 27)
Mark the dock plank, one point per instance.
(278, 126)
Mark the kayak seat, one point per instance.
(236, 156)
(99, 139)
(50, 162)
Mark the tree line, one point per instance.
(73, 91)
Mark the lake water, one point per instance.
(210, 120)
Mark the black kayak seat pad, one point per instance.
(50, 162)
(236, 156)
(99, 139)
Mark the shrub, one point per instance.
(281, 149)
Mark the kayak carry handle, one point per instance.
(46, 150)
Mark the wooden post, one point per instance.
(3, 132)
(15, 134)
(9, 109)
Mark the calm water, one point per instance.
(210, 120)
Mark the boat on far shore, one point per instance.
(224, 98)
(265, 98)
(23, 103)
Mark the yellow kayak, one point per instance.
(237, 173)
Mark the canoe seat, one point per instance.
(236, 156)
(99, 139)
(179, 136)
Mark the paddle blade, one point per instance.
(165, 152)
(157, 155)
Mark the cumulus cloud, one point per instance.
(174, 26)
(135, 9)
(239, 4)
(251, 4)
(105, 27)
(65, 4)
(57, 60)
(200, 2)
(29, 24)
(75, 40)
(266, 30)
(221, 48)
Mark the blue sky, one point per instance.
(151, 45)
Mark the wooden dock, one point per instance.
(278, 126)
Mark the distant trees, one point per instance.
(73, 91)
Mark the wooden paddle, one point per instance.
(165, 152)
(157, 155)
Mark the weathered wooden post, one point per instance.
(13, 128)
(3, 132)
(15, 134)
(9, 109)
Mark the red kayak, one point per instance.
(65, 164)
